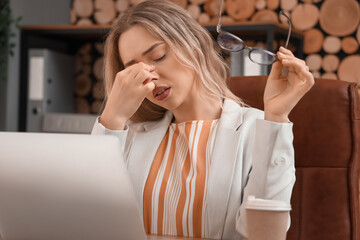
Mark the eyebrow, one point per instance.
(144, 53)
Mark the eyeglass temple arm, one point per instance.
(290, 26)
(218, 26)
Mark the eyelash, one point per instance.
(159, 59)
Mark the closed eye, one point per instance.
(159, 59)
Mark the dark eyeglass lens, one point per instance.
(230, 43)
(262, 56)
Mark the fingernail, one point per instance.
(152, 66)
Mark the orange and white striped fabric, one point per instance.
(175, 190)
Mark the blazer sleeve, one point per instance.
(99, 129)
(272, 171)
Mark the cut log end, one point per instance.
(313, 41)
(82, 85)
(314, 62)
(349, 45)
(82, 106)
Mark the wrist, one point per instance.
(276, 118)
(112, 123)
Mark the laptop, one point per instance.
(65, 186)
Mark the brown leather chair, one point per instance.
(325, 198)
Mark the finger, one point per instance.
(276, 69)
(285, 51)
(135, 69)
(302, 70)
(149, 87)
(295, 64)
(144, 77)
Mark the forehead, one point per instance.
(134, 41)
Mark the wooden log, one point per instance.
(84, 49)
(194, 11)
(105, 11)
(98, 68)
(100, 48)
(98, 90)
(266, 16)
(240, 10)
(86, 69)
(349, 69)
(329, 75)
(314, 62)
(82, 85)
(82, 105)
(78, 63)
(358, 35)
(96, 107)
(291, 46)
(307, 1)
(181, 3)
(198, 2)
(305, 16)
(339, 18)
(86, 58)
(276, 46)
(212, 7)
(250, 43)
(349, 45)
(225, 20)
(73, 16)
(332, 44)
(84, 22)
(204, 19)
(283, 19)
(261, 45)
(316, 74)
(317, 1)
(330, 63)
(273, 4)
(288, 5)
(83, 8)
(122, 5)
(313, 41)
(260, 4)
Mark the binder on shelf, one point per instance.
(51, 86)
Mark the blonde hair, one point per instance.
(191, 43)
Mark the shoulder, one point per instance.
(237, 114)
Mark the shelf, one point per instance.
(99, 31)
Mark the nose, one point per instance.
(154, 73)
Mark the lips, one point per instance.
(161, 92)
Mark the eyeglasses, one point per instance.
(232, 43)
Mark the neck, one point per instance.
(199, 108)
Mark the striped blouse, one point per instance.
(175, 190)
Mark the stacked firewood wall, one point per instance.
(89, 80)
(331, 29)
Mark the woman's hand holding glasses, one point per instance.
(282, 93)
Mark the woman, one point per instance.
(193, 150)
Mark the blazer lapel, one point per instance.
(143, 152)
(222, 168)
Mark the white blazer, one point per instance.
(251, 156)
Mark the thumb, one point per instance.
(276, 69)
